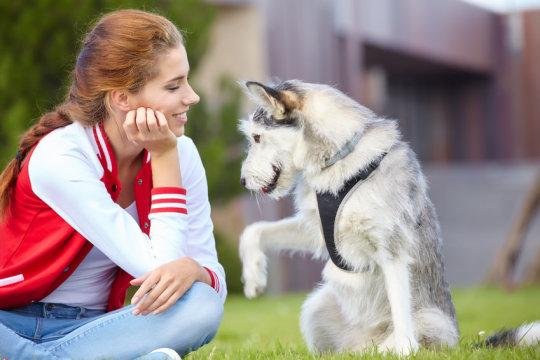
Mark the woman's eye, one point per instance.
(173, 88)
(257, 138)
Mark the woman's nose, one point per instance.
(191, 97)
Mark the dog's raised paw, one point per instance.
(253, 262)
(252, 291)
(254, 277)
(254, 286)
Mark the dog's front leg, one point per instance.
(397, 281)
(257, 238)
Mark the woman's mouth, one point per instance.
(180, 117)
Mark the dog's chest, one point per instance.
(357, 224)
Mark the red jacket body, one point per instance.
(39, 250)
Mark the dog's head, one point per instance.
(296, 128)
(272, 132)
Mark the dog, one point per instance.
(362, 204)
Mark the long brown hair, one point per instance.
(120, 52)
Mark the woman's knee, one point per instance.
(202, 308)
(210, 308)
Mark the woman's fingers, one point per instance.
(162, 121)
(138, 281)
(150, 129)
(168, 298)
(151, 121)
(140, 120)
(173, 298)
(145, 287)
(164, 294)
(151, 296)
(161, 299)
(170, 302)
(129, 125)
(165, 285)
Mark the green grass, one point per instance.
(267, 328)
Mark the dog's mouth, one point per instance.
(272, 185)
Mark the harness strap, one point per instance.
(329, 204)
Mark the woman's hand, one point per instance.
(149, 129)
(162, 287)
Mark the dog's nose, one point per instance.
(243, 182)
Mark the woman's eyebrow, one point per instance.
(177, 78)
(180, 77)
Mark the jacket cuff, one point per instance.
(215, 280)
(168, 200)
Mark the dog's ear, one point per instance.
(278, 102)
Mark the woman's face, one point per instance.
(170, 91)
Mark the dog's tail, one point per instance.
(525, 335)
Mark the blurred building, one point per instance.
(464, 83)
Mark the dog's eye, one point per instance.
(257, 138)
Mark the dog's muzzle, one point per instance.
(268, 188)
(272, 185)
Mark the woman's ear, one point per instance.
(119, 99)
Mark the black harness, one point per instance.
(329, 204)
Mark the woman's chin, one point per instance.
(178, 130)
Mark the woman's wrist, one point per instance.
(166, 168)
(165, 152)
(203, 275)
(199, 272)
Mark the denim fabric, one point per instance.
(56, 331)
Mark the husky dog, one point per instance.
(383, 284)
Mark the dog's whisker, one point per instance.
(258, 203)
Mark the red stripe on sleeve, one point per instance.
(168, 190)
(169, 209)
(214, 278)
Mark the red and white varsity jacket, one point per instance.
(64, 202)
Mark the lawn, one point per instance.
(267, 328)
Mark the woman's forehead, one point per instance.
(174, 63)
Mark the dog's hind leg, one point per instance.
(287, 234)
(433, 328)
(321, 321)
(326, 327)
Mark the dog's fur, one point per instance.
(396, 298)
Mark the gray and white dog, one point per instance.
(383, 284)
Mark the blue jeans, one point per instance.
(56, 331)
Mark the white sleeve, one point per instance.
(66, 180)
(201, 244)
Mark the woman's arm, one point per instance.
(201, 245)
(65, 175)
(164, 286)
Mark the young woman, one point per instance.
(106, 192)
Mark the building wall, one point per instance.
(237, 50)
